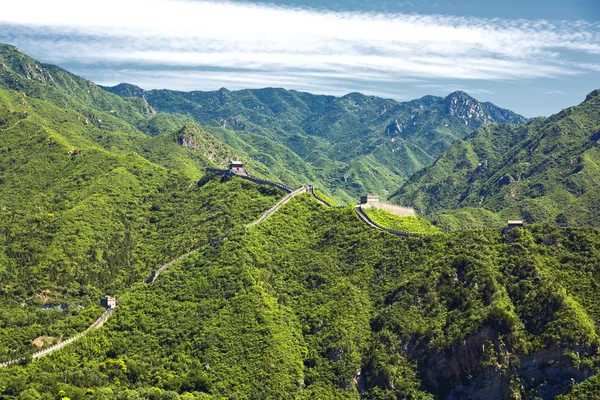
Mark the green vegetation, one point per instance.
(324, 197)
(468, 218)
(546, 171)
(98, 190)
(312, 303)
(82, 213)
(346, 146)
(402, 224)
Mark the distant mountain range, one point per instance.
(347, 145)
(547, 171)
(492, 164)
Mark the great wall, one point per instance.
(276, 207)
(98, 323)
(239, 171)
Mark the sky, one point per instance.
(534, 57)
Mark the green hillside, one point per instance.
(402, 224)
(347, 145)
(124, 125)
(312, 303)
(83, 213)
(546, 171)
(98, 190)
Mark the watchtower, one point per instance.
(514, 223)
(108, 301)
(237, 167)
(369, 199)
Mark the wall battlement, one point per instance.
(393, 208)
(242, 173)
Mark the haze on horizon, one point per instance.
(533, 58)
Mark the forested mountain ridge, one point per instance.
(313, 303)
(89, 204)
(546, 171)
(133, 125)
(48, 82)
(351, 144)
(346, 146)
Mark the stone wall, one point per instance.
(398, 210)
(281, 202)
(249, 177)
(362, 215)
(98, 323)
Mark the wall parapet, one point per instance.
(281, 202)
(98, 323)
(252, 178)
(311, 190)
(393, 208)
(362, 215)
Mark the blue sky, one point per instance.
(534, 57)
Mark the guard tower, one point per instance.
(108, 301)
(369, 199)
(514, 223)
(237, 167)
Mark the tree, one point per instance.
(30, 394)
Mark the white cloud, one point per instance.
(294, 44)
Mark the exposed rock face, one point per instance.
(548, 372)
(395, 128)
(481, 367)
(147, 109)
(193, 138)
(460, 105)
(191, 143)
(460, 372)
(188, 137)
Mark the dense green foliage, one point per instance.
(79, 220)
(86, 114)
(546, 171)
(403, 224)
(312, 303)
(347, 146)
(97, 190)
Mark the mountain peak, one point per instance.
(460, 94)
(125, 90)
(5, 48)
(593, 95)
(462, 105)
(354, 96)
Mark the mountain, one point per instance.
(48, 82)
(97, 191)
(79, 220)
(89, 204)
(115, 124)
(546, 171)
(346, 145)
(314, 304)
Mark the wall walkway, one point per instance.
(249, 177)
(363, 216)
(98, 323)
(278, 205)
(156, 273)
